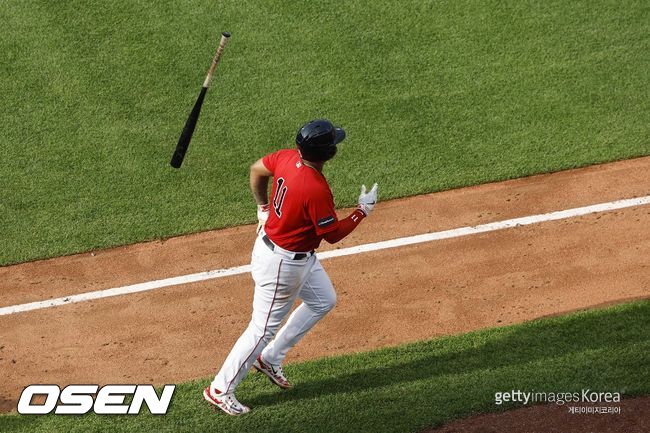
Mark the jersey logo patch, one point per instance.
(324, 222)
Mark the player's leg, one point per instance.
(276, 283)
(318, 298)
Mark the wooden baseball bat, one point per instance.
(190, 124)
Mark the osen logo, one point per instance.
(109, 400)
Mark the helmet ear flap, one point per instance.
(333, 151)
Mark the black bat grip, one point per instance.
(188, 130)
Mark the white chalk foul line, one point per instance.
(393, 243)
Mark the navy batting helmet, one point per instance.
(317, 140)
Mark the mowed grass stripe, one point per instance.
(434, 95)
(406, 388)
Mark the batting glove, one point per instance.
(262, 216)
(367, 200)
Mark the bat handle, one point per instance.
(216, 58)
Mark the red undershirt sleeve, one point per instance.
(345, 227)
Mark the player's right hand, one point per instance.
(262, 216)
(367, 200)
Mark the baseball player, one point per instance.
(284, 265)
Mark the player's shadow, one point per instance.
(532, 342)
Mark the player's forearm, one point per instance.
(345, 227)
(260, 188)
(259, 181)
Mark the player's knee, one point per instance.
(328, 303)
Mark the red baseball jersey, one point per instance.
(302, 205)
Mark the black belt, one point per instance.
(296, 256)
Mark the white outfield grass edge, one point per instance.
(375, 246)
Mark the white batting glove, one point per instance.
(262, 216)
(367, 200)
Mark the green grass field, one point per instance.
(433, 94)
(404, 389)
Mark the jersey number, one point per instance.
(278, 199)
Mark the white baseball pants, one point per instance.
(278, 281)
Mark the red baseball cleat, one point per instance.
(227, 402)
(274, 372)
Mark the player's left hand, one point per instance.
(262, 216)
(367, 200)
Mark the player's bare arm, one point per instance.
(259, 181)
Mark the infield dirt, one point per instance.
(384, 298)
